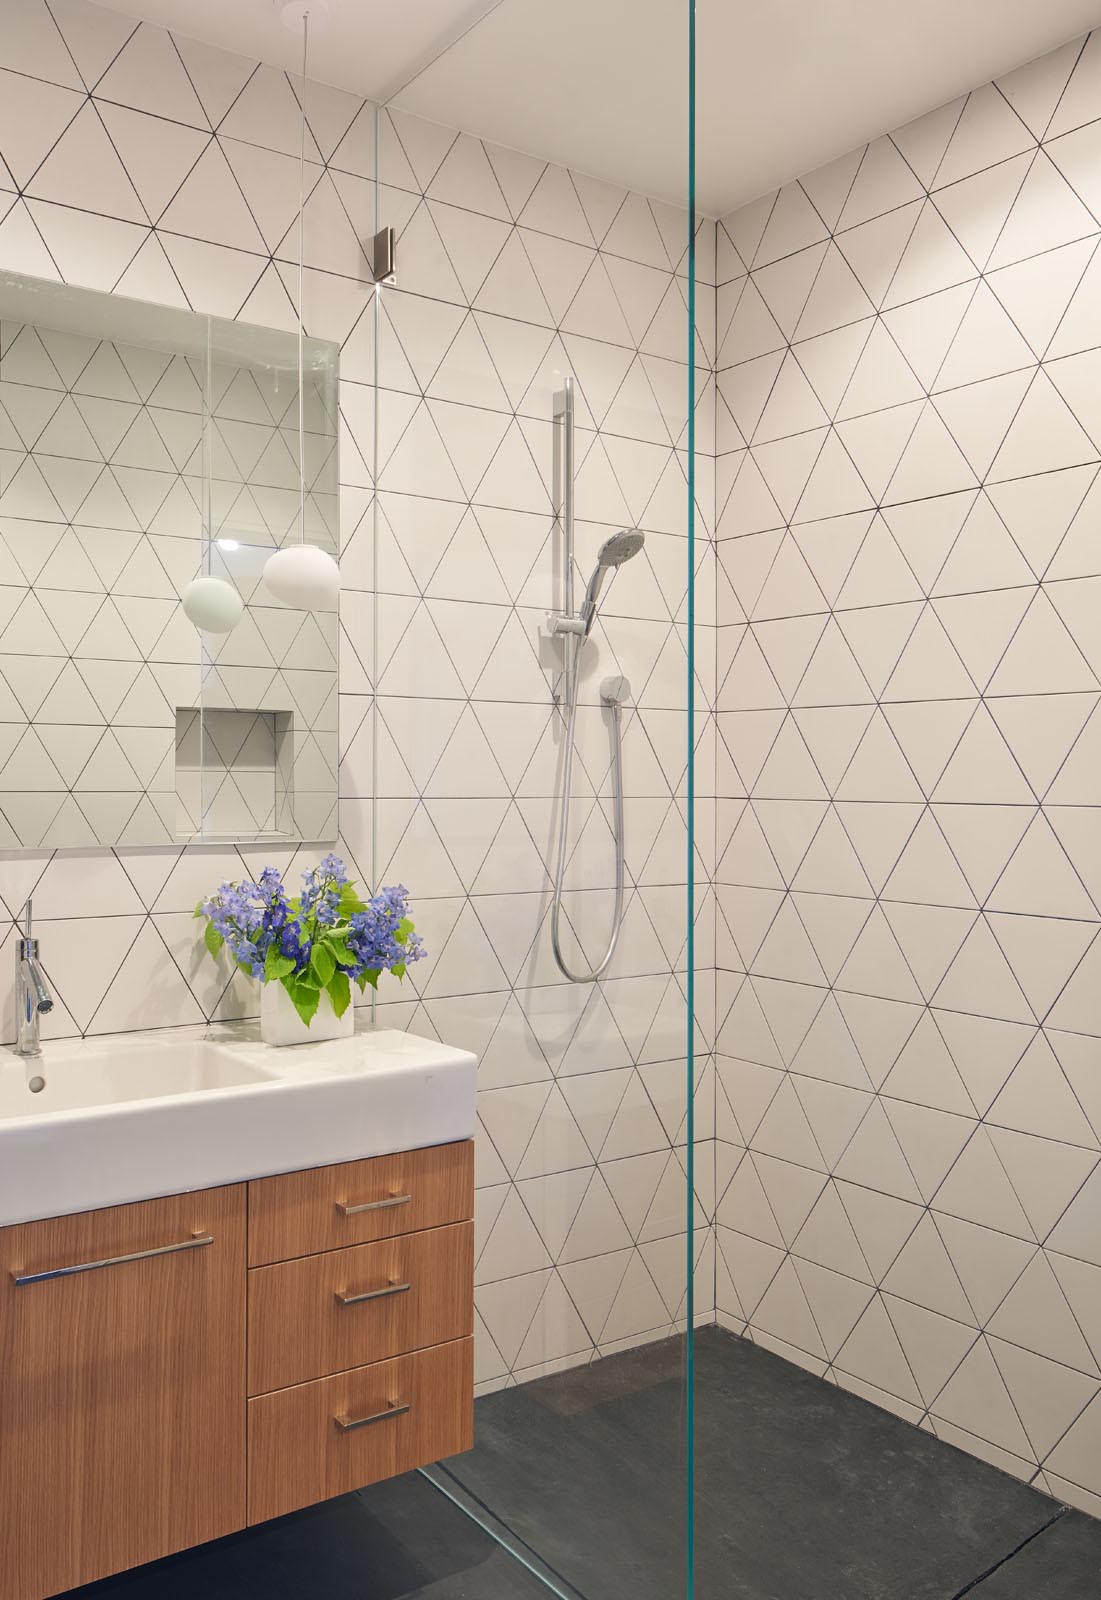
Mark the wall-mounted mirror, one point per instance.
(141, 447)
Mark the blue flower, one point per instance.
(293, 945)
(253, 917)
(249, 916)
(376, 937)
(321, 888)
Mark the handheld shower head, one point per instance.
(620, 547)
(612, 553)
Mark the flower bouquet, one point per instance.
(308, 950)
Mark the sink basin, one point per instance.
(129, 1117)
(108, 1072)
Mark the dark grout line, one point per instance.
(982, 1577)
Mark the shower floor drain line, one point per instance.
(449, 1486)
(990, 1571)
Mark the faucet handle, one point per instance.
(27, 914)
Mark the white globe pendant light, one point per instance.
(303, 575)
(212, 604)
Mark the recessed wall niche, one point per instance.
(140, 447)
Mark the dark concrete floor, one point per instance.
(803, 1492)
(400, 1540)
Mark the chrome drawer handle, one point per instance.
(350, 1424)
(371, 1294)
(373, 1205)
(196, 1243)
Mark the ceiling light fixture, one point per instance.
(296, 14)
(303, 575)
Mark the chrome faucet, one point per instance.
(32, 993)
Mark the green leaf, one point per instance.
(339, 991)
(350, 902)
(371, 978)
(340, 950)
(404, 929)
(399, 969)
(276, 965)
(198, 911)
(304, 998)
(213, 940)
(323, 962)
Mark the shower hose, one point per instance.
(614, 704)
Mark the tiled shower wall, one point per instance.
(512, 274)
(909, 878)
(143, 162)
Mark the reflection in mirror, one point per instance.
(142, 447)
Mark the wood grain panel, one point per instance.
(122, 1409)
(299, 1329)
(298, 1213)
(298, 1454)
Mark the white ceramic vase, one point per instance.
(280, 1023)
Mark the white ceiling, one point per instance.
(370, 47)
(601, 85)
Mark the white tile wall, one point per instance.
(136, 160)
(909, 1070)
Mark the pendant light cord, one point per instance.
(301, 283)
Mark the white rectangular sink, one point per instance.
(132, 1116)
(111, 1072)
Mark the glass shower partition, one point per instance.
(540, 358)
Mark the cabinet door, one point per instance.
(122, 1410)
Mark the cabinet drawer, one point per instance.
(321, 1314)
(326, 1208)
(326, 1438)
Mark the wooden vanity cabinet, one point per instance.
(174, 1370)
